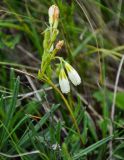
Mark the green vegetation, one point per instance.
(37, 120)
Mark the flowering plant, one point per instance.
(50, 35)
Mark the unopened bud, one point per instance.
(59, 45)
(53, 15)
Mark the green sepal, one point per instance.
(46, 39)
(54, 35)
(39, 75)
(49, 71)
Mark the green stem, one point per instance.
(66, 103)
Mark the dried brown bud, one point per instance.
(59, 44)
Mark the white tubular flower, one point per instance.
(72, 74)
(53, 15)
(63, 81)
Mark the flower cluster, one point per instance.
(73, 76)
(50, 50)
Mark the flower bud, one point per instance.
(59, 44)
(53, 15)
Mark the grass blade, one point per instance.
(91, 148)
